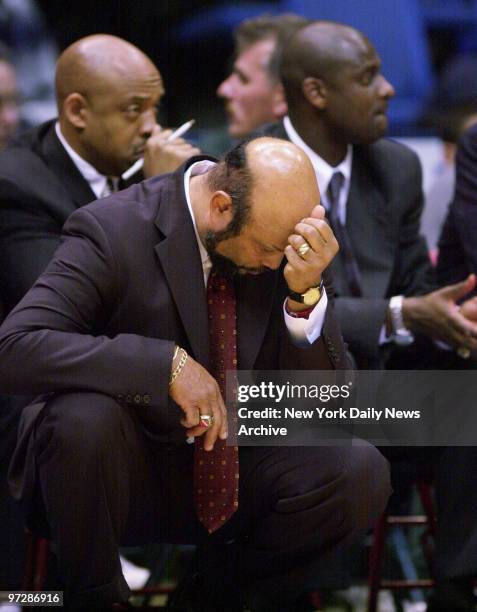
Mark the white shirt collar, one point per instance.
(200, 167)
(96, 181)
(323, 170)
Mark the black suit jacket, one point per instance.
(383, 220)
(458, 240)
(123, 287)
(39, 188)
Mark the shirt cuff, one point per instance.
(384, 337)
(305, 331)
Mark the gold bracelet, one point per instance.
(180, 365)
(176, 350)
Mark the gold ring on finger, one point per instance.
(463, 352)
(206, 420)
(303, 249)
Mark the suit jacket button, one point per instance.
(146, 399)
(128, 398)
(137, 398)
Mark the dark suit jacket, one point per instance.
(458, 240)
(382, 218)
(39, 188)
(124, 286)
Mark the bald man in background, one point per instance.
(107, 94)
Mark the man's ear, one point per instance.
(75, 109)
(279, 103)
(316, 92)
(221, 210)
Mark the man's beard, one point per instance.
(224, 265)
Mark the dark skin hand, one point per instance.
(438, 315)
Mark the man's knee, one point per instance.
(368, 485)
(80, 421)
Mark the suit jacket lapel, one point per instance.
(367, 221)
(179, 257)
(60, 163)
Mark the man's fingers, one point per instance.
(223, 429)
(293, 258)
(459, 290)
(317, 232)
(462, 331)
(465, 326)
(318, 212)
(191, 418)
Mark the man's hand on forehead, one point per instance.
(311, 249)
(318, 212)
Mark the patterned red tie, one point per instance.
(216, 472)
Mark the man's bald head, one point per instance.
(108, 92)
(319, 50)
(90, 65)
(334, 88)
(284, 183)
(256, 196)
(268, 178)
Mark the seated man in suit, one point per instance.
(107, 93)
(371, 187)
(253, 93)
(153, 288)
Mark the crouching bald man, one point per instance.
(153, 295)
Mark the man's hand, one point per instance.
(197, 392)
(301, 273)
(163, 155)
(468, 309)
(437, 315)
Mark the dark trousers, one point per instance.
(104, 482)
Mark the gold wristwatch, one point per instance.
(310, 297)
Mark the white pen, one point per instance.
(139, 163)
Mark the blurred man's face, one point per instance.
(251, 98)
(9, 111)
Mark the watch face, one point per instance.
(312, 296)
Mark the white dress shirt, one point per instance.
(98, 182)
(303, 331)
(324, 171)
